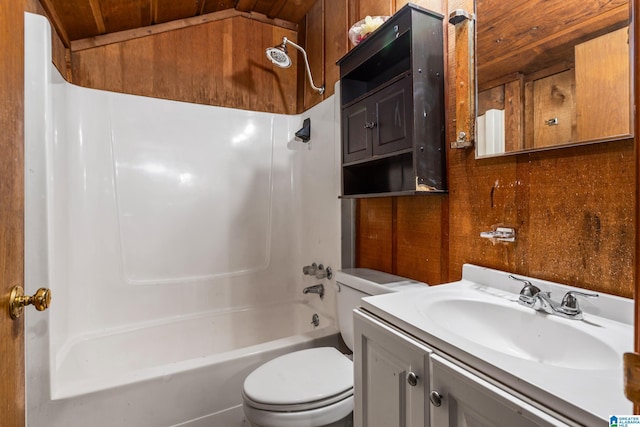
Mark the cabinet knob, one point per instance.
(412, 379)
(435, 398)
(370, 125)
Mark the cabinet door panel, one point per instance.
(393, 111)
(470, 401)
(356, 137)
(385, 362)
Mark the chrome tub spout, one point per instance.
(315, 289)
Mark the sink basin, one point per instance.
(501, 325)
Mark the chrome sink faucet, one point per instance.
(531, 296)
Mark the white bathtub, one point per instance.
(176, 373)
(164, 348)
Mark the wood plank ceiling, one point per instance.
(81, 19)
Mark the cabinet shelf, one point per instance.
(392, 108)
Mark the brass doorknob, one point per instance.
(18, 300)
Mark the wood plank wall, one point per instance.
(215, 63)
(573, 209)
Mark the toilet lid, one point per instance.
(301, 377)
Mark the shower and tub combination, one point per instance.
(172, 237)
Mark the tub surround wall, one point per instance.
(144, 212)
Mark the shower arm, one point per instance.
(306, 62)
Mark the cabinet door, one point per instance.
(393, 107)
(391, 376)
(356, 132)
(467, 400)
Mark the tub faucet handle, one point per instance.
(310, 270)
(323, 273)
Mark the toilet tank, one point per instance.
(356, 283)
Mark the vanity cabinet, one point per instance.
(391, 376)
(392, 108)
(402, 381)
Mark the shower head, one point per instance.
(279, 55)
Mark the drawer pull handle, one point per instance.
(370, 125)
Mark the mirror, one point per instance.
(551, 73)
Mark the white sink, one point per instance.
(506, 327)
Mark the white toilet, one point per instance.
(314, 387)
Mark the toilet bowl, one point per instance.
(314, 387)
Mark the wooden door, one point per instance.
(12, 397)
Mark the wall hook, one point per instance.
(305, 133)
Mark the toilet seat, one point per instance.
(299, 407)
(312, 418)
(300, 381)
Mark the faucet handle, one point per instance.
(525, 281)
(528, 293)
(323, 273)
(570, 302)
(310, 270)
